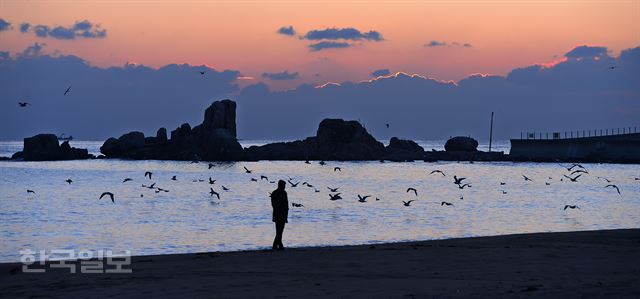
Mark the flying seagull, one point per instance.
(333, 189)
(69, 181)
(202, 72)
(606, 179)
(387, 125)
(457, 180)
(107, 194)
(446, 203)
(307, 162)
(579, 171)
(464, 185)
(148, 173)
(574, 165)
(438, 171)
(67, 91)
(407, 203)
(23, 104)
(335, 196)
(337, 169)
(246, 169)
(526, 178)
(264, 177)
(292, 184)
(174, 178)
(613, 186)
(225, 188)
(412, 189)
(31, 191)
(571, 207)
(254, 179)
(363, 198)
(574, 179)
(212, 193)
(126, 180)
(297, 205)
(211, 181)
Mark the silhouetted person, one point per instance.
(280, 204)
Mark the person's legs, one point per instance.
(277, 243)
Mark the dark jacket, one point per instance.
(280, 204)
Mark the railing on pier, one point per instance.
(578, 134)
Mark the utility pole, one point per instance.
(491, 132)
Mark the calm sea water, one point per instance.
(188, 219)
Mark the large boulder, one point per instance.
(221, 115)
(461, 143)
(403, 150)
(117, 147)
(45, 147)
(338, 139)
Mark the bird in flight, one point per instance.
(69, 181)
(23, 104)
(202, 72)
(322, 163)
(613, 67)
(316, 190)
(31, 191)
(246, 169)
(107, 194)
(574, 165)
(67, 91)
(526, 178)
(174, 178)
(464, 185)
(571, 207)
(333, 189)
(337, 169)
(363, 198)
(438, 171)
(225, 188)
(446, 203)
(149, 174)
(150, 186)
(307, 162)
(387, 125)
(292, 184)
(412, 189)
(613, 186)
(335, 196)
(254, 179)
(264, 177)
(213, 192)
(297, 205)
(606, 179)
(457, 180)
(126, 180)
(574, 179)
(407, 203)
(211, 181)
(579, 171)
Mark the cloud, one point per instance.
(380, 72)
(81, 29)
(343, 33)
(285, 75)
(435, 43)
(570, 95)
(32, 51)
(4, 25)
(287, 31)
(586, 52)
(24, 27)
(328, 45)
(103, 102)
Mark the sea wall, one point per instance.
(624, 148)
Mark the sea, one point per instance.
(187, 218)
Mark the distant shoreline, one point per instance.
(599, 263)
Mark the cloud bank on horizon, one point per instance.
(581, 91)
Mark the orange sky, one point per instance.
(242, 35)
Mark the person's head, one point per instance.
(281, 184)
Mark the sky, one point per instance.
(266, 53)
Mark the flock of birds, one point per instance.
(573, 174)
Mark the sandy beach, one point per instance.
(560, 265)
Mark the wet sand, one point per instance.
(545, 265)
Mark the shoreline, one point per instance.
(601, 263)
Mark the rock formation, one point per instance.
(213, 140)
(45, 147)
(461, 143)
(404, 150)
